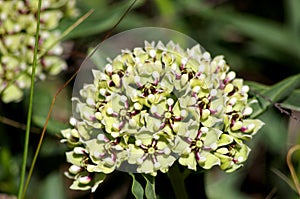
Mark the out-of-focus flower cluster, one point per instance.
(154, 105)
(18, 19)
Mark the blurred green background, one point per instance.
(260, 40)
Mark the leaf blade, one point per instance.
(266, 96)
(150, 187)
(136, 188)
(293, 101)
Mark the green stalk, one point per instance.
(29, 115)
(177, 180)
(80, 20)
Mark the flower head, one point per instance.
(156, 104)
(17, 30)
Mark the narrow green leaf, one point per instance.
(266, 32)
(257, 86)
(136, 188)
(278, 92)
(283, 88)
(293, 14)
(268, 52)
(150, 187)
(284, 178)
(293, 101)
(90, 26)
(99, 22)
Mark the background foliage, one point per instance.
(261, 42)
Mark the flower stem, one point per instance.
(29, 115)
(177, 180)
(196, 185)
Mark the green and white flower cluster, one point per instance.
(18, 19)
(155, 105)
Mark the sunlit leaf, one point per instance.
(136, 188)
(150, 187)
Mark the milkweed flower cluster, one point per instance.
(153, 106)
(18, 19)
